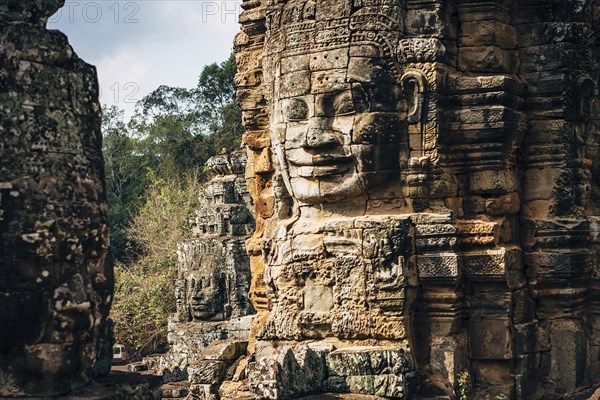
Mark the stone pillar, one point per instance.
(554, 51)
(248, 47)
(56, 279)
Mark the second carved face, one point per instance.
(204, 294)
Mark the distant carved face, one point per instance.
(204, 294)
(338, 119)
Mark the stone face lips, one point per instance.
(425, 177)
(56, 278)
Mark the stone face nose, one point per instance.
(198, 294)
(319, 134)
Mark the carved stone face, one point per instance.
(343, 141)
(339, 117)
(204, 294)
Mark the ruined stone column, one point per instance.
(248, 46)
(210, 329)
(56, 278)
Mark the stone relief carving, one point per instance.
(421, 175)
(339, 125)
(205, 289)
(424, 172)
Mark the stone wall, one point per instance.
(56, 277)
(425, 192)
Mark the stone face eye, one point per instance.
(295, 110)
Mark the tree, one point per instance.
(219, 113)
(144, 293)
(125, 177)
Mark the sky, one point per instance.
(139, 45)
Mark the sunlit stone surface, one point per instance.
(424, 177)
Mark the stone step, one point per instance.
(230, 390)
(339, 396)
(176, 390)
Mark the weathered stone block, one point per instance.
(288, 371)
(379, 371)
(488, 33)
(494, 374)
(357, 361)
(568, 355)
(486, 59)
(490, 339)
(208, 372)
(493, 182)
(438, 266)
(384, 385)
(547, 57)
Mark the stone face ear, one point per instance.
(414, 87)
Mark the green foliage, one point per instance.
(218, 112)
(463, 383)
(229, 134)
(144, 293)
(173, 132)
(126, 179)
(154, 162)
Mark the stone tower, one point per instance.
(426, 194)
(56, 278)
(213, 309)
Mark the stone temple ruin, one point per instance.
(214, 313)
(425, 181)
(56, 279)
(425, 185)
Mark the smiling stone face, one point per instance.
(339, 116)
(204, 296)
(343, 142)
(201, 291)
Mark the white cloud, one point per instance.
(169, 44)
